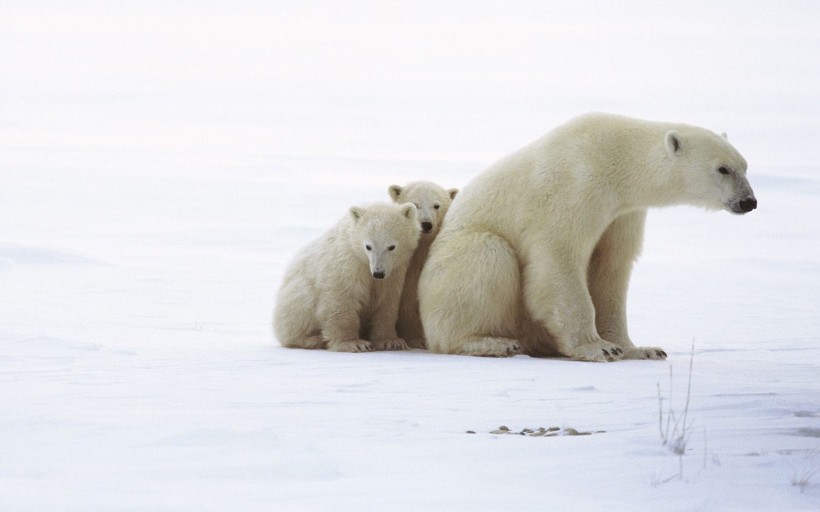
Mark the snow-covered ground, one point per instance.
(160, 163)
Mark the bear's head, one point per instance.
(431, 201)
(713, 171)
(387, 234)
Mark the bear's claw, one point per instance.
(650, 353)
(600, 352)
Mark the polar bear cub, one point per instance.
(537, 250)
(342, 290)
(432, 203)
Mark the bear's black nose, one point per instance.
(748, 205)
(427, 227)
(378, 275)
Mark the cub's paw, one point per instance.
(394, 344)
(311, 343)
(417, 343)
(597, 352)
(655, 353)
(350, 346)
(314, 342)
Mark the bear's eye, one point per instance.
(391, 247)
(723, 170)
(436, 206)
(368, 247)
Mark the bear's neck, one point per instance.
(644, 178)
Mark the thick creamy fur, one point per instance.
(537, 250)
(432, 203)
(329, 296)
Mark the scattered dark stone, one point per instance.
(542, 432)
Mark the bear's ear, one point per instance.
(453, 192)
(394, 191)
(356, 212)
(673, 142)
(409, 210)
(724, 135)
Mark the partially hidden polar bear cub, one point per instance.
(537, 250)
(342, 290)
(432, 203)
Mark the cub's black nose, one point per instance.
(427, 227)
(378, 275)
(748, 205)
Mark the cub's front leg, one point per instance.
(387, 296)
(341, 327)
(409, 325)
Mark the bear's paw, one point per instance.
(598, 352)
(654, 353)
(490, 347)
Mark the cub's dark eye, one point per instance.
(368, 247)
(436, 206)
(391, 247)
(723, 170)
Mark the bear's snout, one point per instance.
(426, 227)
(378, 274)
(748, 204)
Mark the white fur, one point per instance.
(537, 251)
(329, 296)
(432, 203)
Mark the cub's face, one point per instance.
(714, 171)
(431, 201)
(388, 236)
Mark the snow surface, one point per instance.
(162, 161)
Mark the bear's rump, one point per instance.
(479, 297)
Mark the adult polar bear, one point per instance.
(536, 252)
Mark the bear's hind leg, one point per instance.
(469, 294)
(489, 347)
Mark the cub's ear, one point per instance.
(356, 212)
(394, 191)
(673, 142)
(409, 210)
(452, 192)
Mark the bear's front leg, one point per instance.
(341, 328)
(556, 295)
(610, 268)
(386, 312)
